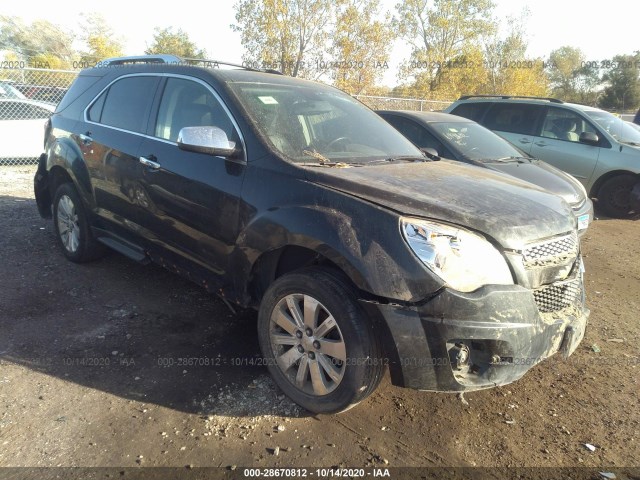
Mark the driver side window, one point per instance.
(565, 125)
(186, 103)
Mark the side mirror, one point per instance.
(211, 140)
(589, 138)
(432, 153)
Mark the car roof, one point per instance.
(427, 117)
(532, 100)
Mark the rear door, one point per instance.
(558, 143)
(515, 122)
(109, 139)
(190, 201)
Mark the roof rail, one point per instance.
(209, 62)
(174, 59)
(140, 59)
(549, 99)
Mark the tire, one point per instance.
(71, 226)
(323, 366)
(614, 196)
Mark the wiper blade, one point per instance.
(317, 155)
(400, 159)
(508, 159)
(333, 165)
(633, 144)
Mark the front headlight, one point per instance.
(463, 260)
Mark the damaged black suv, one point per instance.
(293, 198)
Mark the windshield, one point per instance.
(319, 125)
(9, 91)
(475, 142)
(616, 127)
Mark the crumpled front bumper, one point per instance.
(469, 341)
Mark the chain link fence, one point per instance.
(28, 96)
(399, 103)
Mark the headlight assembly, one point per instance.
(463, 260)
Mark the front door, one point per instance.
(191, 200)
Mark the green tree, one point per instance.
(286, 35)
(99, 38)
(623, 83)
(360, 48)
(166, 41)
(571, 78)
(37, 40)
(439, 32)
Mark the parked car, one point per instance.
(596, 147)
(43, 93)
(8, 90)
(295, 199)
(460, 139)
(21, 125)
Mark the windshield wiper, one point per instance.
(633, 144)
(400, 159)
(507, 159)
(325, 162)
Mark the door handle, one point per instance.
(541, 144)
(525, 140)
(85, 138)
(150, 162)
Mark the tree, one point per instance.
(286, 35)
(509, 70)
(100, 39)
(439, 34)
(37, 40)
(166, 41)
(360, 46)
(623, 79)
(572, 79)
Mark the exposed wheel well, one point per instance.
(596, 186)
(276, 263)
(57, 176)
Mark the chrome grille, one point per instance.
(559, 295)
(552, 252)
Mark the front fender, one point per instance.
(371, 252)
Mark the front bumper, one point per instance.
(470, 341)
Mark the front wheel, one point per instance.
(318, 344)
(614, 196)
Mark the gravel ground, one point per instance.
(114, 364)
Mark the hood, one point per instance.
(546, 176)
(502, 207)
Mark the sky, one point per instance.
(600, 32)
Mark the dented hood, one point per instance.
(509, 210)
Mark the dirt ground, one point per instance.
(121, 365)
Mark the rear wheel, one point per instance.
(318, 344)
(614, 196)
(72, 228)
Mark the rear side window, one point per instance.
(126, 104)
(513, 118)
(472, 111)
